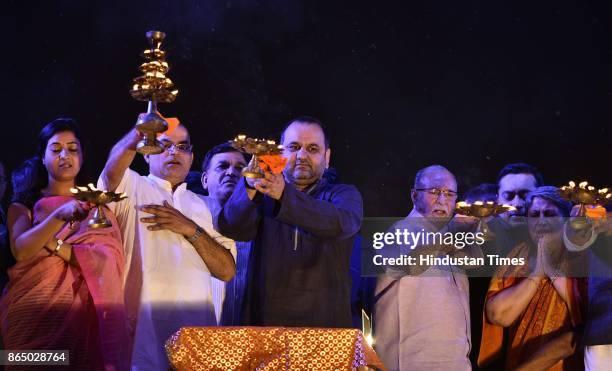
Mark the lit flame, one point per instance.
(583, 185)
(478, 203)
(74, 190)
(572, 184)
(591, 188)
(462, 204)
(490, 202)
(241, 137)
(156, 74)
(603, 190)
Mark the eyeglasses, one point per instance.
(437, 192)
(180, 147)
(510, 195)
(544, 213)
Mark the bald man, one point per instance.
(422, 320)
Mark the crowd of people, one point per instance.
(213, 248)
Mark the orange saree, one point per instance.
(52, 305)
(546, 316)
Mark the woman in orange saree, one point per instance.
(65, 292)
(536, 315)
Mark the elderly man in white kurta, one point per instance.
(171, 247)
(422, 320)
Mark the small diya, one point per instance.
(585, 195)
(264, 150)
(482, 210)
(99, 198)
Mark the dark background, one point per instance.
(471, 85)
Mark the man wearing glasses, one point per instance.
(171, 248)
(422, 320)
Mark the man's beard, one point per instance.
(302, 177)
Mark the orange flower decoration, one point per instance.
(595, 212)
(276, 163)
(173, 123)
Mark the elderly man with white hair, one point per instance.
(422, 320)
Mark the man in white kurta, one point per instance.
(422, 320)
(168, 284)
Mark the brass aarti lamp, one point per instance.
(153, 87)
(255, 147)
(99, 198)
(482, 210)
(584, 195)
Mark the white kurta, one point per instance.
(167, 286)
(423, 322)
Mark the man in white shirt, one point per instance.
(221, 171)
(171, 248)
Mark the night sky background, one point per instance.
(471, 85)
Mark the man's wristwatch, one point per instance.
(196, 235)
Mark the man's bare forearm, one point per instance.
(120, 159)
(217, 258)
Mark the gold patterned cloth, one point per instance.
(270, 348)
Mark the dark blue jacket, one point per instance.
(299, 263)
(598, 327)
